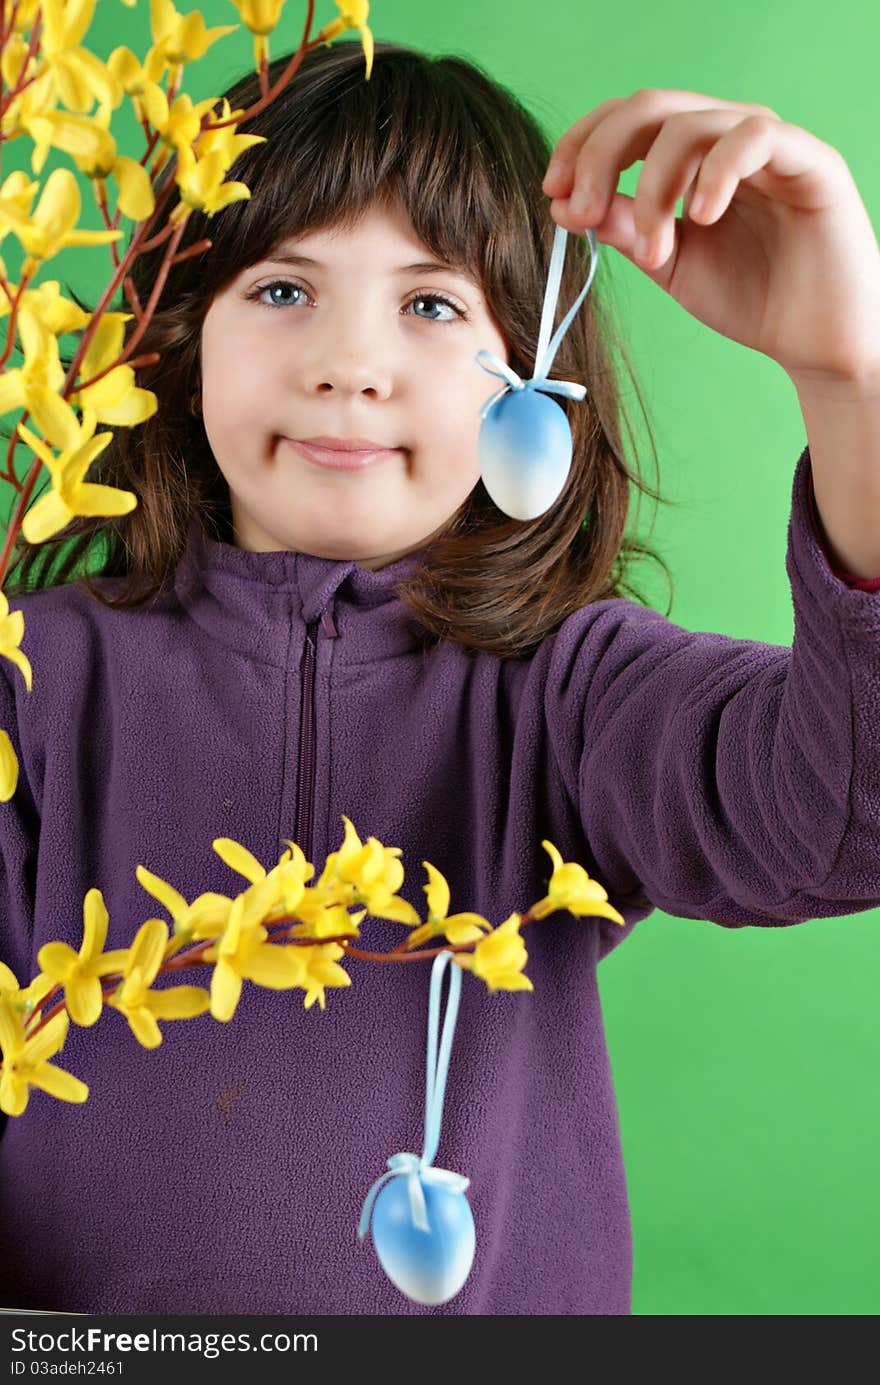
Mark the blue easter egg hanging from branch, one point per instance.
(422, 1224)
(429, 1266)
(525, 453)
(525, 442)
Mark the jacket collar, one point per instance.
(252, 601)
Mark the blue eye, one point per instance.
(280, 284)
(269, 296)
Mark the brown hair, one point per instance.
(468, 161)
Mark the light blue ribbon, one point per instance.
(418, 1170)
(546, 349)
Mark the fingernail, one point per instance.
(554, 171)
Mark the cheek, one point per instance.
(232, 386)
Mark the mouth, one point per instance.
(333, 459)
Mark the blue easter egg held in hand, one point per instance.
(525, 451)
(428, 1266)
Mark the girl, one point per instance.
(273, 642)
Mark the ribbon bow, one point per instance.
(547, 349)
(420, 1170)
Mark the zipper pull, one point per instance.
(327, 624)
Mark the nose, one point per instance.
(350, 360)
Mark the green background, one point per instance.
(746, 1061)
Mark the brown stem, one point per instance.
(195, 956)
(198, 249)
(23, 499)
(131, 294)
(101, 199)
(158, 239)
(156, 293)
(152, 141)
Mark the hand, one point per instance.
(783, 259)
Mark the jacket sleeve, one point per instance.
(19, 839)
(727, 779)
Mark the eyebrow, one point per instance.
(423, 267)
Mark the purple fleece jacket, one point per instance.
(260, 698)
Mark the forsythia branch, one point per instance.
(278, 933)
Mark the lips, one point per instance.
(347, 444)
(336, 459)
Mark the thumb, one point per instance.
(618, 229)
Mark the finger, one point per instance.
(674, 168)
(560, 169)
(629, 134)
(779, 160)
(672, 163)
(643, 107)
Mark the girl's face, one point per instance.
(356, 344)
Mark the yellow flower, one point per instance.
(143, 1007)
(179, 126)
(261, 17)
(201, 184)
(16, 199)
(39, 93)
(114, 399)
(182, 38)
(289, 875)
(571, 888)
(459, 928)
(206, 917)
(8, 767)
(225, 142)
(499, 958)
(139, 80)
(25, 1061)
(74, 75)
(353, 15)
(26, 999)
(93, 149)
(243, 954)
(320, 970)
(80, 972)
(8, 980)
(41, 371)
(15, 64)
(51, 227)
(25, 12)
(11, 634)
(373, 874)
(322, 913)
(69, 494)
(50, 308)
(312, 968)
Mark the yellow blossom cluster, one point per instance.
(250, 937)
(58, 95)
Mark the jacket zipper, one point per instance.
(305, 792)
